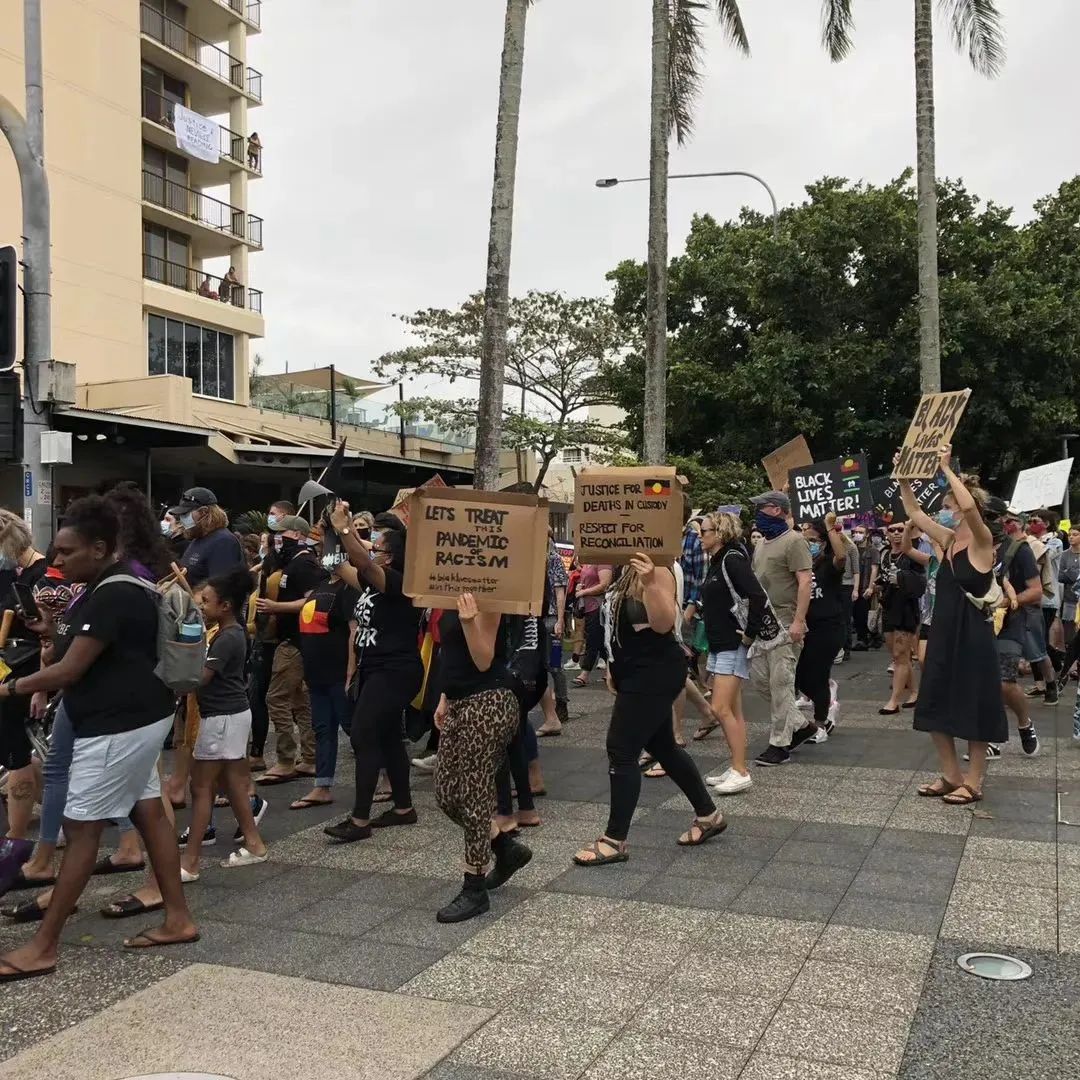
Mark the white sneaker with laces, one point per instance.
(803, 702)
(425, 764)
(571, 665)
(730, 782)
(822, 735)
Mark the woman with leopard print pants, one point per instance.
(477, 717)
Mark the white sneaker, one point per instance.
(822, 735)
(571, 665)
(834, 714)
(729, 782)
(425, 764)
(803, 702)
(839, 657)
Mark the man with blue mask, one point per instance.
(783, 566)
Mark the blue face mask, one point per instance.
(188, 521)
(949, 518)
(271, 520)
(769, 526)
(815, 548)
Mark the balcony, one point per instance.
(203, 54)
(248, 10)
(233, 146)
(178, 276)
(229, 223)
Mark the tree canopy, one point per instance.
(817, 332)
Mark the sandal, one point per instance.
(307, 803)
(145, 939)
(127, 906)
(106, 866)
(243, 857)
(654, 772)
(600, 859)
(271, 778)
(582, 680)
(706, 828)
(931, 791)
(220, 802)
(27, 912)
(962, 796)
(705, 731)
(16, 974)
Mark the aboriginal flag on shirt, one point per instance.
(324, 632)
(315, 618)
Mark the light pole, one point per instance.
(612, 181)
(1064, 454)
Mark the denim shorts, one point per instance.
(733, 662)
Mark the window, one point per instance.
(167, 182)
(161, 93)
(572, 455)
(201, 353)
(166, 256)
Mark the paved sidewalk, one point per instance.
(815, 940)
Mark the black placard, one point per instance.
(889, 507)
(840, 487)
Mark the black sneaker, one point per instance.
(1029, 740)
(1051, 696)
(258, 810)
(860, 646)
(510, 857)
(804, 734)
(209, 837)
(773, 755)
(347, 831)
(470, 902)
(992, 751)
(1034, 692)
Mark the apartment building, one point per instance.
(154, 165)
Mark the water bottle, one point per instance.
(556, 654)
(191, 630)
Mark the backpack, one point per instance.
(528, 648)
(181, 633)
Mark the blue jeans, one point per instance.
(330, 709)
(55, 773)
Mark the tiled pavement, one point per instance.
(815, 940)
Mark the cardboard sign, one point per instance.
(489, 543)
(619, 512)
(839, 487)
(888, 505)
(400, 505)
(792, 455)
(1043, 486)
(935, 421)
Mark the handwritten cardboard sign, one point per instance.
(489, 543)
(1043, 486)
(935, 421)
(400, 505)
(839, 487)
(888, 505)
(794, 454)
(619, 512)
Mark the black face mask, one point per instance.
(290, 548)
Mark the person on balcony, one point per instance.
(230, 283)
(254, 151)
(206, 289)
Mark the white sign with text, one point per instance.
(1042, 486)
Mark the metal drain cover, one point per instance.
(995, 966)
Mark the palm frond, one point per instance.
(727, 11)
(976, 28)
(837, 23)
(684, 65)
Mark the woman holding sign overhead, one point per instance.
(960, 696)
(646, 673)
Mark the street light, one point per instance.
(611, 181)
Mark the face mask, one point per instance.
(1012, 528)
(166, 528)
(858, 537)
(949, 518)
(188, 521)
(770, 527)
(289, 546)
(815, 549)
(376, 536)
(272, 520)
(1037, 528)
(877, 541)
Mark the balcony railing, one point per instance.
(248, 9)
(212, 213)
(195, 281)
(199, 51)
(233, 145)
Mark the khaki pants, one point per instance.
(288, 703)
(772, 674)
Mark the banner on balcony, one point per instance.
(196, 135)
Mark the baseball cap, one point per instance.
(291, 523)
(995, 507)
(194, 499)
(773, 498)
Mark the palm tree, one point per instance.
(976, 28)
(676, 83)
(497, 290)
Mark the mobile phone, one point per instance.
(24, 597)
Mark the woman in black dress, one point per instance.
(960, 695)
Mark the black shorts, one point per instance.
(924, 632)
(15, 746)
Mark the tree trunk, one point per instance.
(655, 413)
(497, 290)
(929, 309)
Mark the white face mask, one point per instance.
(188, 521)
(271, 520)
(166, 528)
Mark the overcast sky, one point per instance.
(379, 128)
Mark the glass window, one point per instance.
(192, 357)
(210, 362)
(156, 344)
(226, 388)
(175, 337)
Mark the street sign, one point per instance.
(28, 484)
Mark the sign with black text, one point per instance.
(935, 421)
(838, 487)
(889, 507)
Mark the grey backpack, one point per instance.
(181, 636)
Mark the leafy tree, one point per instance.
(556, 350)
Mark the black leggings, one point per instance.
(823, 642)
(262, 663)
(516, 762)
(378, 736)
(643, 722)
(594, 640)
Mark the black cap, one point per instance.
(195, 499)
(995, 507)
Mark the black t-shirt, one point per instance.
(387, 624)
(226, 693)
(1022, 568)
(324, 633)
(302, 574)
(460, 676)
(643, 661)
(119, 691)
(209, 556)
(826, 590)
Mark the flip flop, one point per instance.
(704, 731)
(928, 791)
(144, 939)
(271, 779)
(21, 881)
(307, 804)
(27, 912)
(127, 906)
(104, 867)
(707, 832)
(654, 772)
(621, 854)
(962, 796)
(220, 802)
(17, 974)
(382, 796)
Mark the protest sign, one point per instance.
(933, 425)
(1043, 486)
(400, 505)
(888, 505)
(792, 455)
(196, 135)
(839, 487)
(619, 512)
(489, 543)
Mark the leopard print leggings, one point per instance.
(472, 743)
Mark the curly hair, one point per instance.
(140, 533)
(94, 519)
(233, 588)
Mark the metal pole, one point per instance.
(333, 405)
(401, 419)
(1065, 501)
(27, 140)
